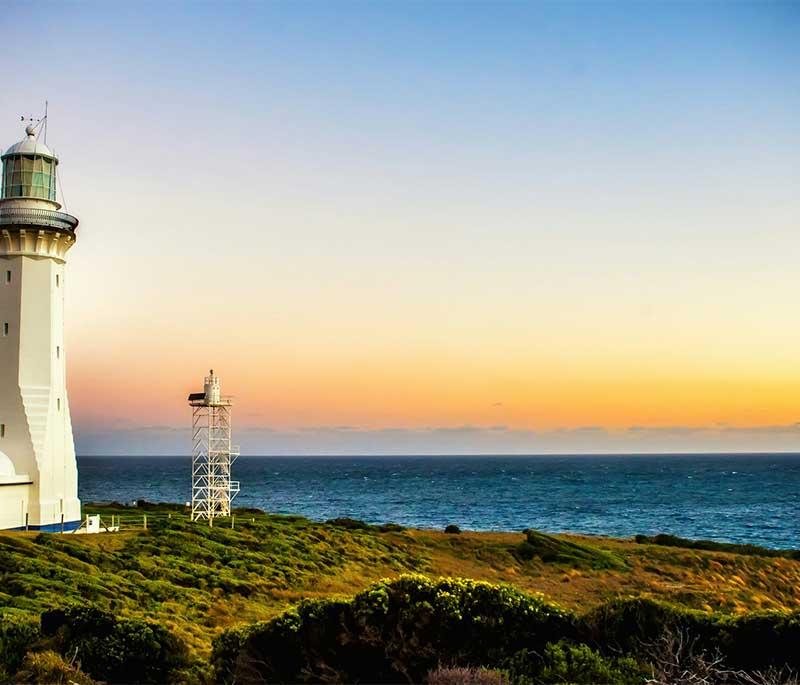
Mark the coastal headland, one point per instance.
(197, 582)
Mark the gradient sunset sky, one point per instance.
(425, 227)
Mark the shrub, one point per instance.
(713, 546)
(115, 650)
(676, 659)
(159, 506)
(348, 523)
(50, 667)
(355, 524)
(565, 662)
(750, 642)
(466, 676)
(402, 630)
(391, 528)
(630, 625)
(452, 529)
(761, 641)
(551, 549)
(393, 631)
(227, 648)
(17, 634)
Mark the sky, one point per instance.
(441, 227)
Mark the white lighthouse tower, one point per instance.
(38, 471)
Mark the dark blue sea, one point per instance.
(732, 498)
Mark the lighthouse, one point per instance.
(38, 470)
(212, 452)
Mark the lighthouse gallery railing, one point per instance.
(42, 218)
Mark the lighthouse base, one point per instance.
(68, 527)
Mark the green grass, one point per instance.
(198, 581)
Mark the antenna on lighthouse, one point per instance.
(35, 123)
(212, 453)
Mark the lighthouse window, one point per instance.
(8, 277)
(58, 404)
(58, 352)
(2, 430)
(58, 280)
(5, 328)
(29, 176)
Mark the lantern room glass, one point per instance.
(29, 176)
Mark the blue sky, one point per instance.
(426, 220)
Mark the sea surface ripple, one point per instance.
(748, 498)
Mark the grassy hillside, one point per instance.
(198, 581)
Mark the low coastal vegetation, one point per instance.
(285, 599)
(403, 630)
(711, 545)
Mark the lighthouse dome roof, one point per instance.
(6, 466)
(30, 146)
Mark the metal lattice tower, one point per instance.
(212, 453)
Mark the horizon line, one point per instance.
(728, 453)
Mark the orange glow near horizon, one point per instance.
(286, 393)
(377, 359)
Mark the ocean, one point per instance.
(752, 498)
